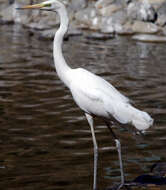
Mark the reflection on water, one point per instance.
(45, 141)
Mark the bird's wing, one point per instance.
(86, 79)
(96, 96)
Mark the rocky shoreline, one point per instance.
(102, 17)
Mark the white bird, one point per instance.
(94, 95)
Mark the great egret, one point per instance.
(95, 96)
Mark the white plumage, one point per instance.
(94, 95)
(97, 97)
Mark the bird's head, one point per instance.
(50, 5)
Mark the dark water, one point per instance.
(45, 141)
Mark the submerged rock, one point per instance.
(149, 179)
(98, 36)
(159, 169)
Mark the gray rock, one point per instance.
(164, 30)
(141, 11)
(6, 15)
(162, 9)
(154, 3)
(77, 5)
(107, 25)
(144, 27)
(120, 17)
(48, 34)
(161, 20)
(96, 23)
(109, 10)
(125, 29)
(149, 38)
(114, 23)
(103, 3)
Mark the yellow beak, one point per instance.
(36, 6)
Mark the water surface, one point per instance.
(45, 140)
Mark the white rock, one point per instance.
(141, 11)
(144, 27)
(85, 16)
(107, 25)
(149, 38)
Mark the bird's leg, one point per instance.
(90, 121)
(118, 146)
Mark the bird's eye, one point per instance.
(48, 5)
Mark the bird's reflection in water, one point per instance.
(155, 178)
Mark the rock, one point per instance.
(161, 20)
(141, 11)
(107, 25)
(48, 34)
(73, 31)
(78, 5)
(22, 17)
(114, 23)
(96, 23)
(159, 169)
(155, 3)
(109, 10)
(11, 1)
(161, 12)
(85, 17)
(125, 29)
(42, 20)
(164, 30)
(120, 17)
(103, 3)
(149, 38)
(6, 15)
(144, 27)
(98, 36)
(3, 4)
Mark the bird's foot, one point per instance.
(122, 186)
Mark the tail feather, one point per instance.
(126, 113)
(142, 120)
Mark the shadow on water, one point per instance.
(45, 141)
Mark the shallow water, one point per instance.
(45, 140)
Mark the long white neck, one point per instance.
(60, 64)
